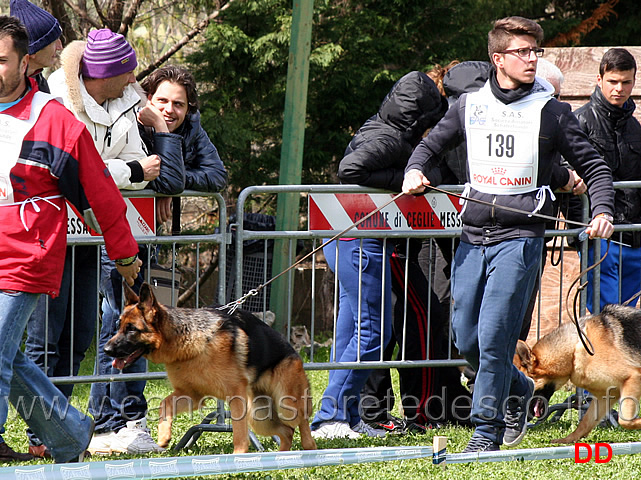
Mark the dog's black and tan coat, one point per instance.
(612, 373)
(209, 353)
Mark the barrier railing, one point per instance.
(311, 240)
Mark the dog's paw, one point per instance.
(164, 443)
(164, 435)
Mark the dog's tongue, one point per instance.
(121, 363)
(538, 408)
(118, 363)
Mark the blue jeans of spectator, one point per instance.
(113, 404)
(491, 288)
(341, 399)
(61, 337)
(65, 430)
(629, 278)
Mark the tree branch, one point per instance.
(128, 18)
(83, 14)
(574, 35)
(183, 41)
(187, 294)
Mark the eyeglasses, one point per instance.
(525, 52)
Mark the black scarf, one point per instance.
(508, 95)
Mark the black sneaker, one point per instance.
(420, 428)
(479, 443)
(516, 417)
(7, 454)
(392, 424)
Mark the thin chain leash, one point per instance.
(232, 306)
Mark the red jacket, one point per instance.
(58, 156)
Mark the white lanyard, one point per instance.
(11, 137)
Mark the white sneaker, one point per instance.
(331, 430)
(365, 429)
(102, 443)
(136, 439)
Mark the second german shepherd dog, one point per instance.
(208, 352)
(612, 373)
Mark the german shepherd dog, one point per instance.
(612, 373)
(208, 352)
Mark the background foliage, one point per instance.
(359, 49)
(238, 50)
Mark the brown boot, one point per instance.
(8, 455)
(40, 451)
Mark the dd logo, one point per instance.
(597, 448)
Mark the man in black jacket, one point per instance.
(514, 131)
(376, 157)
(608, 122)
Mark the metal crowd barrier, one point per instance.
(311, 240)
(196, 241)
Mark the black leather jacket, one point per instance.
(616, 135)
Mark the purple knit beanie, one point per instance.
(107, 54)
(42, 27)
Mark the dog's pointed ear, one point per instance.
(523, 356)
(147, 297)
(130, 295)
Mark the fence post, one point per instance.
(291, 158)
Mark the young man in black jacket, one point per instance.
(608, 121)
(514, 130)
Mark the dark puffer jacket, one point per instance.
(204, 170)
(616, 135)
(379, 150)
(466, 77)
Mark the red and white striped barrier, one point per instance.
(141, 214)
(337, 211)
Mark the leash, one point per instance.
(585, 341)
(232, 306)
(574, 314)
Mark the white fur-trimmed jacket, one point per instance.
(112, 125)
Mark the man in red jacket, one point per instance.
(48, 156)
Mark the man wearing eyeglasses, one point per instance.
(514, 132)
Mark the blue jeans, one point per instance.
(491, 288)
(61, 339)
(630, 277)
(65, 430)
(341, 399)
(67, 337)
(113, 404)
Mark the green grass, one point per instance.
(620, 467)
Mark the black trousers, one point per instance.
(427, 394)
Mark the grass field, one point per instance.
(620, 467)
